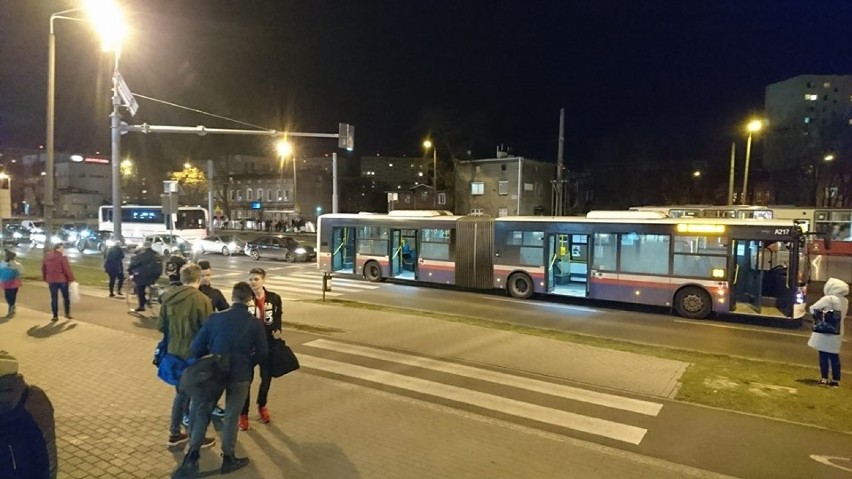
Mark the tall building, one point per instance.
(809, 125)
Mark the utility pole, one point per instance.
(560, 161)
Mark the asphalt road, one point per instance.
(732, 335)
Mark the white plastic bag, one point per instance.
(74, 291)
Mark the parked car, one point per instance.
(280, 247)
(98, 240)
(167, 244)
(75, 231)
(225, 244)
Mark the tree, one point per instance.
(193, 184)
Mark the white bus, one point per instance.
(695, 266)
(829, 231)
(137, 222)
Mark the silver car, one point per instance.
(225, 244)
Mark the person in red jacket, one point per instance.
(56, 272)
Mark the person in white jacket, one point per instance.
(828, 345)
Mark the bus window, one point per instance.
(372, 240)
(643, 253)
(529, 246)
(605, 252)
(435, 244)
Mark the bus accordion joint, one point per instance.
(700, 228)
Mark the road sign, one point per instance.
(126, 95)
(346, 136)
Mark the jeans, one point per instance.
(834, 359)
(11, 296)
(235, 392)
(112, 279)
(263, 390)
(180, 405)
(54, 306)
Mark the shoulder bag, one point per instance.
(282, 360)
(827, 321)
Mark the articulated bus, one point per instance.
(829, 231)
(694, 266)
(137, 222)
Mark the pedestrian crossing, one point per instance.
(296, 285)
(503, 404)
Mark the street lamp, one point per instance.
(285, 149)
(753, 127)
(428, 144)
(105, 16)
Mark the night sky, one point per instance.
(684, 74)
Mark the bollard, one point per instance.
(326, 283)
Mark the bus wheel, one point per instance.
(692, 302)
(520, 286)
(372, 272)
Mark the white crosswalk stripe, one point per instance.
(543, 414)
(297, 285)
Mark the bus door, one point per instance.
(567, 266)
(403, 263)
(603, 267)
(747, 284)
(343, 249)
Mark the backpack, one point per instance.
(23, 451)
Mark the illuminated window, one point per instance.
(810, 96)
(477, 188)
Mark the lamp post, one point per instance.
(428, 144)
(105, 16)
(285, 149)
(826, 191)
(752, 127)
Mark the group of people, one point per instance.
(197, 321)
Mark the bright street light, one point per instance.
(427, 145)
(106, 18)
(285, 149)
(753, 127)
(829, 157)
(696, 174)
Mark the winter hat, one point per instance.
(8, 364)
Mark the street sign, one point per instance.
(346, 136)
(126, 95)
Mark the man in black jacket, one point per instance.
(216, 297)
(146, 266)
(268, 310)
(233, 333)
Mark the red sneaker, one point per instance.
(243, 422)
(264, 414)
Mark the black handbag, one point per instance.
(205, 378)
(827, 322)
(282, 360)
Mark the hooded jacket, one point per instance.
(147, 265)
(835, 299)
(55, 268)
(27, 431)
(114, 261)
(182, 312)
